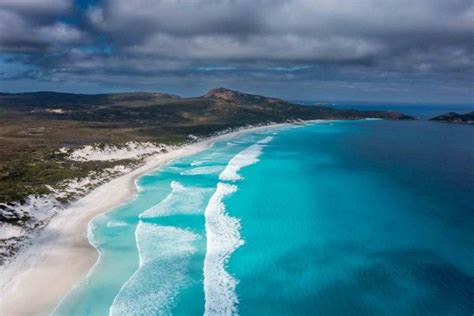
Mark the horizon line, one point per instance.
(291, 100)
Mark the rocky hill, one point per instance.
(453, 117)
(238, 97)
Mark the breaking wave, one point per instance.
(116, 224)
(164, 253)
(223, 238)
(266, 140)
(246, 157)
(181, 200)
(198, 162)
(202, 170)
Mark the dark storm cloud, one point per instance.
(32, 26)
(298, 30)
(351, 43)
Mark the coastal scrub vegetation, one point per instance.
(33, 126)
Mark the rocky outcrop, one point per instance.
(453, 117)
(238, 97)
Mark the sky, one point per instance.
(416, 51)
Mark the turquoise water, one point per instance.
(337, 218)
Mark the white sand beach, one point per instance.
(61, 256)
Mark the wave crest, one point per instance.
(164, 253)
(181, 200)
(245, 158)
(223, 238)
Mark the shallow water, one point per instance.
(358, 218)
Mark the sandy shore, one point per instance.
(61, 256)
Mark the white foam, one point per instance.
(116, 224)
(164, 258)
(218, 155)
(223, 238)
(197, 162)
(266, 140)
(181, 200)
(202, 170)
(245, 158)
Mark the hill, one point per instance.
(34, 125)
(453, 117)
(47, 140)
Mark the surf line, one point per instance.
(164, 254)
(223, 236)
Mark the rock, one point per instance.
(453, 117)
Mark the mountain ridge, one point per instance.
(38, 130)
(34, 125)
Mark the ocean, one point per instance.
(365, 217)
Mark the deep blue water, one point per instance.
(337, 218)
(420, 111)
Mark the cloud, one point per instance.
(44, 8)
(297, 29)
(32, 26)
(154, 41)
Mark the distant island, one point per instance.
(57, 147)
(453, 117)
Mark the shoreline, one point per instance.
(61, 256)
